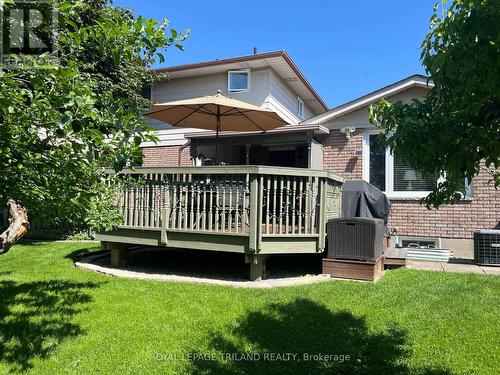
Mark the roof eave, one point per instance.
(415, 80)
(232, 60)
(260, 56)
(316, 129)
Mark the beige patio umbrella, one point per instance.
(217, 113)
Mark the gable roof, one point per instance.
(279, 61)
(416, 80)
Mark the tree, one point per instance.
(61, 125)
(455, 130)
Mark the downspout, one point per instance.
(179, 161)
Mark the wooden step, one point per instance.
(353, 269)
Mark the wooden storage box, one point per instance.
(353, 269)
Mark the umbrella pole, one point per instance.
(217, 137)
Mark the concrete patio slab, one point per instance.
(464, 268)
(491, 270)
(453, 267)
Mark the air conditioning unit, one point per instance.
(487, 247)
(356, 238)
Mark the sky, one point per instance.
(345, 48)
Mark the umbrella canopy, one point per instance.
(217, 113)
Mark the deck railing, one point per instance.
(251, 201)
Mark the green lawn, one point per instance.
(57, 319)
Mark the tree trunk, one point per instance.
(18, 227)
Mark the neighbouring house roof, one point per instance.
(279, 61)
(415, 80)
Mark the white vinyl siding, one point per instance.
(283, 100)
(268, 90)
(194, 87)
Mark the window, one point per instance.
(146, 92)
(390, 174)
(300, 107)
(425, 242)
(408, 179)
(376, 164)
(238, 80)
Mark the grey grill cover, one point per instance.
(361, 199)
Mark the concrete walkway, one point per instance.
(452, 267)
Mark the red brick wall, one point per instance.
(165, 156)
(451, 221)
(339, 154)
(408, 216)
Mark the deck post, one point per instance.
(164, 226)
(257, 267)
(254, 224)
(119, 252)
(322, 216)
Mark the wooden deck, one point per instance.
(254, 210)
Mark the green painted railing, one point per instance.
(252, 201)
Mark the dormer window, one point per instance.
(238, 80)
(300, 107)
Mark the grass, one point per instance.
(57, 319)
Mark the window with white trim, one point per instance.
(300, 107)
(390, 174)
(426, 242)
(238, 80)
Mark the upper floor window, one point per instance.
(238, 80)
(390, 174)
(300, 107)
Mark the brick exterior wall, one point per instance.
(165, 156)
(408, 216)
(451, 221)
(339, 154)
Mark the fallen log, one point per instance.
(18, 227)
